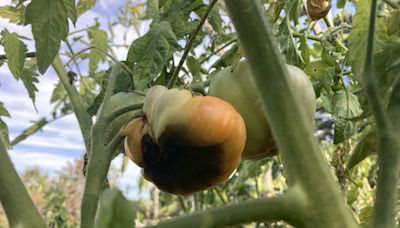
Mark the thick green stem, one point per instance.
(84, 119)
(299, 149)
(284, 207)
(387, 133)
(100, 158)
(18, 206)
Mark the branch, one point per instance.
(28, 55)
(392, 4)
(285, 207)
(84, 119)
(18, 206)
(189, 44)
(388, 145)
(100, 158)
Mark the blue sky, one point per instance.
(60, 142)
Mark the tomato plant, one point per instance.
(322, 77)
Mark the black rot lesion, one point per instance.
(177, 165)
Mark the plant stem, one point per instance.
(189, 44)
(283, 207)
(388, 145)
(28, 55)
(100, 158)
(292, 131)
(18, 206)
(84, 119)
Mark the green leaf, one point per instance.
(194, 67)
(340, 4)
(85, 5)
(71, 10)
(123, 84)
(215, 20)
(114, 211)
(304, 49)
(152, 9)
(49, 20)
(327, 77)
(151, 52)
(329, 59)
(13, 14)
(36, 126)
(178, 16)
(3, 110)
(98, 39)
(365, 147)
(345, 107)
(58, 93)
(393, 22)
(358, 36)
(15, 52)
(29, 78)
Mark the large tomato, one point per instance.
(237, 87)
(183, 143)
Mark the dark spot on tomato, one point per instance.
(177, 165)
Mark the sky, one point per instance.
(59, 142)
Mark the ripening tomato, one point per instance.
(183, 143)
(238, 88)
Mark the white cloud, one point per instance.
(50, 163)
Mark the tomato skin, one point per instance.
(188, 144)
(239, 89)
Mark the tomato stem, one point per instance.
(18, 206)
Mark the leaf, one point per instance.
(58, 93)
(49, 26)
(393, 22)
(13, 14)
(194, 67)
(178, 15)
(71, 10)
(358, 36)
(114, 210)
(85, 5)
(304, 49)
(36, 126)
(98, 39)
(149, 53)
(327, 77)
(215, 20)
(152, 9)
(365, 147)
(3, 110)
(340, 4)
(15, 52)
(29, 78)
(123, 84)
(345, 106)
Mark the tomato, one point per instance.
(187, 144)
(239, 89)
(119, 100)
(318, 9)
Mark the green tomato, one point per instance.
(238, 88)
(120, 100)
